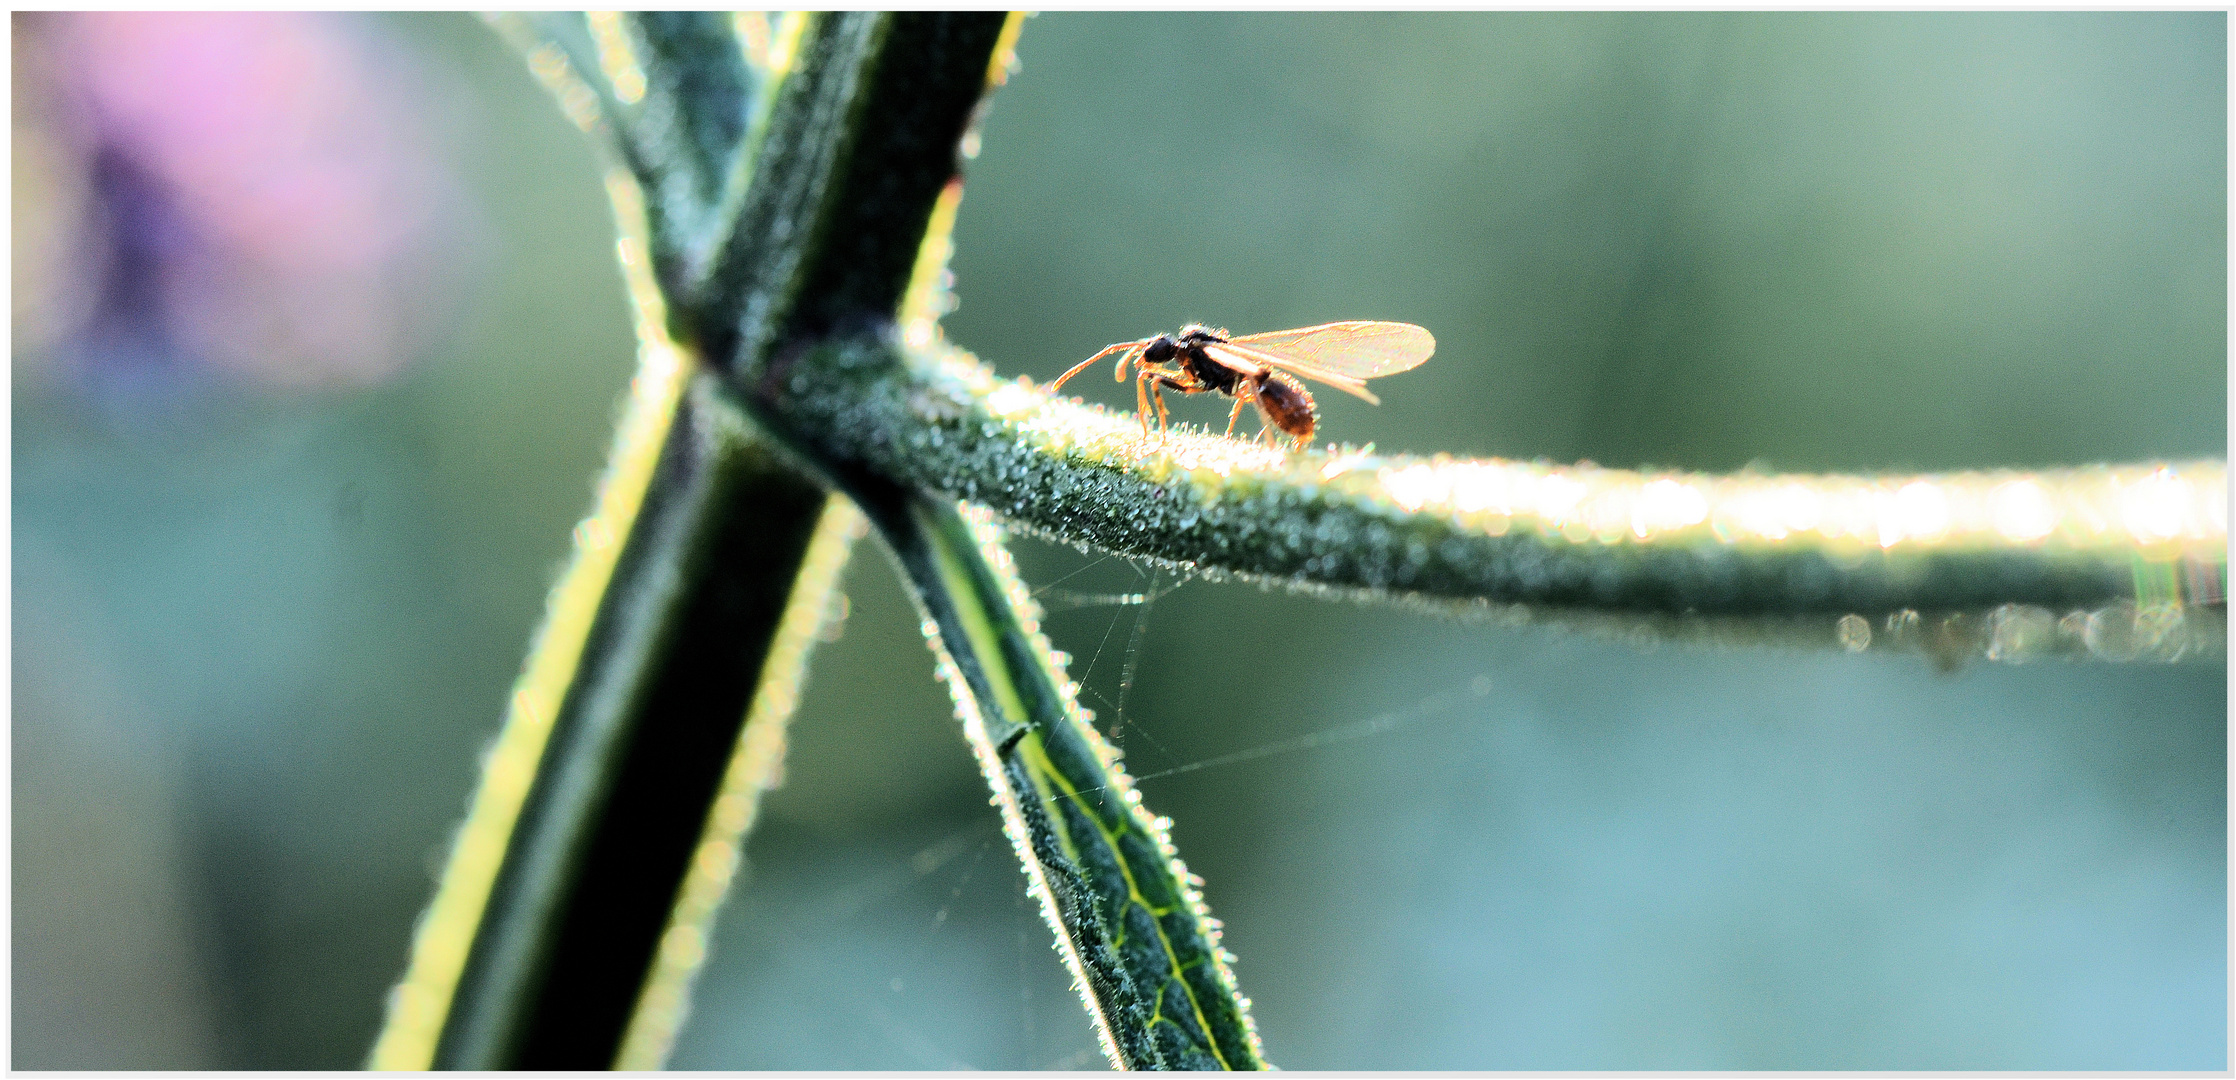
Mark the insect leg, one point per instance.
(1235, 415)
(1150, 383)
(1181, 382)
(1118, 373)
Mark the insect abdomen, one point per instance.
(1285, 405)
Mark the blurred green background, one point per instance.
(317, 342)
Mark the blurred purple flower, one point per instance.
(270, 205)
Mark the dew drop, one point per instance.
(2110, 633)
(2073, 626)
(1854, 632)
(2161, 629)
(1903, 625)
(2019, 632)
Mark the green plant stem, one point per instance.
(622, 774)
(636, 754)
(1469, 531)
(816, 364)
(698, 99)
(670, 96)
(1133, 927)
(785, 263)
(860, 144)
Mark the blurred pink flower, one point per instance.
(318, 224)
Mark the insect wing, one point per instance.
(1243, 357)
(1343, 355)
(1351, 350)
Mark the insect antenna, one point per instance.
(1090, 362)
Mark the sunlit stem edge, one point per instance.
(1090, 850)
(1461, 534)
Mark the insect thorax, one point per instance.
(1213, 374)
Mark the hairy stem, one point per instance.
(843, 229)
(1578, 539)
(609, 779)
(568, 923)
(796, 218)
(636, 755)
(1128, 916)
